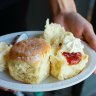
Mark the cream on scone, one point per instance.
(67, 56)
(28, 60)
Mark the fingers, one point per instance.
(95, 72)
(5, 89)
(59, 19)
(90, 36)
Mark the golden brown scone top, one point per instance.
(29, 48)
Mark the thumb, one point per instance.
(59, 19)
(95, 72)
(90, 37)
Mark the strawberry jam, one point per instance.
(72, 58)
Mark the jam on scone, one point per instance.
(72, 58)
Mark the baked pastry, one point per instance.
(28, 60)
(67, 56)
(4, 51)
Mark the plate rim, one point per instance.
(50, 86)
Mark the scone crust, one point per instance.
(29, 50)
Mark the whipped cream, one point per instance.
(71, 44)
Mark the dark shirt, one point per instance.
(5, 3)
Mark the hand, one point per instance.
(5, 89)
(79, 26)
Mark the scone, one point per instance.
(67, 56)
(4, 51)
(28, 60)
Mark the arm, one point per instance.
(64, 12)
(61, 6)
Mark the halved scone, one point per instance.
(67, 55)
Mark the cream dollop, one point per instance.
(71, 43)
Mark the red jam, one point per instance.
(72, 58)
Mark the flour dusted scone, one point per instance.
(67, 56)
(4, 50)
(28, 60)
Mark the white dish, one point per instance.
(50, 83)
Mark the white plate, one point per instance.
(50, 83)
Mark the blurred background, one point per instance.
(35, 19)
(37, 12)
